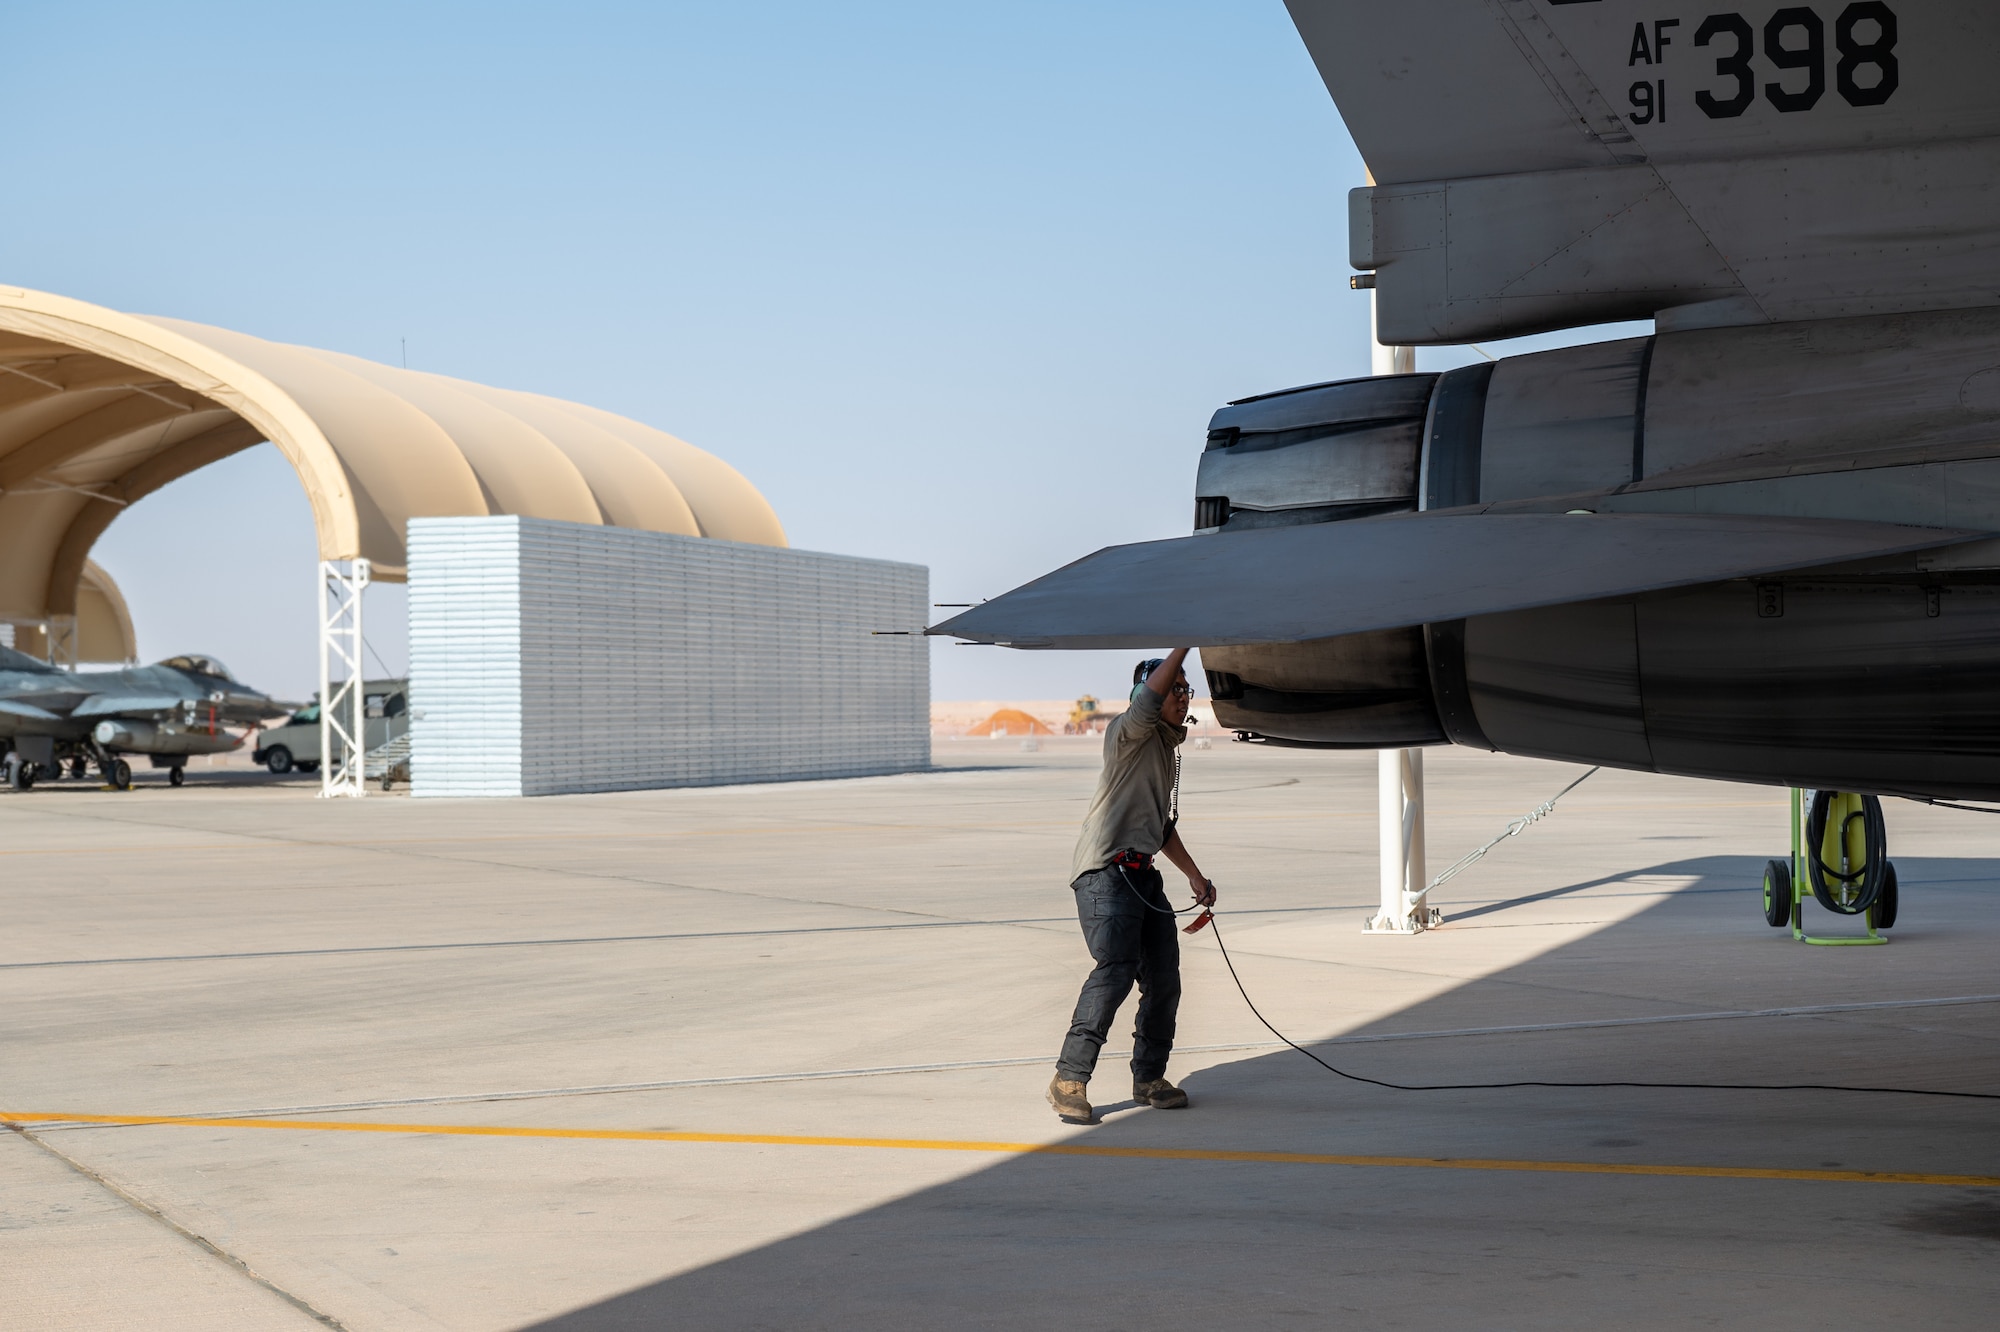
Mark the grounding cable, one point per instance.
(1952, 804)
(1514, 829)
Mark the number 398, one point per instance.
(1794, 39)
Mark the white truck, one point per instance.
(295, 744)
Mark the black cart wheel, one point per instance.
(175, 776)
(1883, 914)
(120, 774)
(1777, 894)
(278, 759)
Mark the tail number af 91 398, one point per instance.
(1793, 43)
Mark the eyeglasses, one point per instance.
(1182, 690)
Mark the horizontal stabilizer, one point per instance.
(1293, 584)
(27, 711)
(126, 705)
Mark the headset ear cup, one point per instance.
(1142, 673)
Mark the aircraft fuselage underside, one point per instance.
(1844, 684)
(1880, 675)
(1764, 554)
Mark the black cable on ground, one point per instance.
(1512, 830)
(1497, 1086)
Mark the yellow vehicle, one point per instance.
(1085, 717)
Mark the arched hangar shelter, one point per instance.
(103, 625)
(100, 408)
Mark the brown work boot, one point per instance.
(1070, 1101)
(1160, 1094)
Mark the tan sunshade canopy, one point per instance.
(99, 409)
(103, 624)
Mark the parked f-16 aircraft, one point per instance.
(1756, 545)
(51, 718)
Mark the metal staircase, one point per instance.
(391, 762)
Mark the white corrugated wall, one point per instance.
(465, 635)
(550, 657)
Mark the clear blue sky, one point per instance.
(952, 284)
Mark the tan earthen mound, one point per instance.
(1010, 721)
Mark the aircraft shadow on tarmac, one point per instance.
(1131, 1243)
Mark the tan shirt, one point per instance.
(1129, 811)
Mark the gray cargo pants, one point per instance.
(1129, 940)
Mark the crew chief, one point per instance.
(1121, 901)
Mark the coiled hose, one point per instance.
(1844, 887)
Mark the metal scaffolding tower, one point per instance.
(342, 701)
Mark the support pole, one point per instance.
(1399, 772)
(1390, 360)
(342, 701)
(60, 631)
(1403, 908)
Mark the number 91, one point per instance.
(1649, 102)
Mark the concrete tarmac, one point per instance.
(574, 1064)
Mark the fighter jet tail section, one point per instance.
(1752, 553)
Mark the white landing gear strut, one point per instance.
(1400, 790)
(1401, 775)
(342, 706)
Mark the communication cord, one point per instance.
(1513, 830)
(1496, 1086)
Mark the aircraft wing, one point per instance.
(1293, 584)
(1543, 164)
(26, 711)
(127, 705)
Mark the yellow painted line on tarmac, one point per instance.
(1031, 1149)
